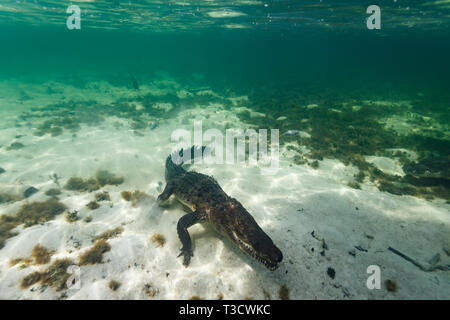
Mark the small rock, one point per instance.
(29, 192)
(331, 273)
(2, 170)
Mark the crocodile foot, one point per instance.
(187, 254)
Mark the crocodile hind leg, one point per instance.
(165, 195)
(183, 224)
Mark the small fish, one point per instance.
(154, 125)
(291, 133)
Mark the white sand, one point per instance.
(288, 206)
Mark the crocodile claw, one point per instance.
(187, 254)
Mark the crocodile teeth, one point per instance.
(254, 255)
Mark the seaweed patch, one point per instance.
(114, 233)
(95, 254)
(102, 178)
(29, 214)
(55, 276)
(158, 239)
(134, 197)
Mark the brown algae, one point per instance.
(95, 254)
(29, 214)
(55, 276)
(283, 292)
(114, 285)
(114, 233)
(159, 239)
(93, 205)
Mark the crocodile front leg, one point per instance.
(165, 195)
(183, 224)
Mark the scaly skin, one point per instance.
(205, 201)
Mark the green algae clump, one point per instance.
(72, 216)
(7, 198)
(15, 146)
(93, 205)
(104, 177)
(53, 193)
(78, 184)
(126, 195)
(102, 196)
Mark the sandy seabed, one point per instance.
(300, 207)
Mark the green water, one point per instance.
(310, 66)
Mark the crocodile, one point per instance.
(205, 201)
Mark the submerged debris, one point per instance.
(432, 267)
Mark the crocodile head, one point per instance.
(243, 230)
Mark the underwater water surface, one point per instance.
(87, 116)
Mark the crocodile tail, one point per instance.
(175, 168)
